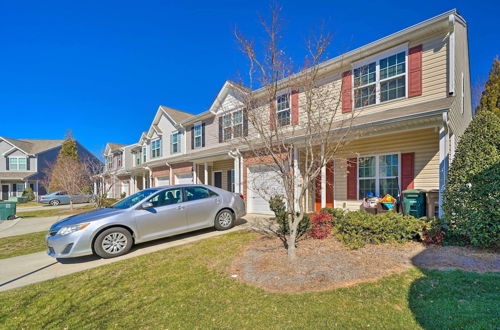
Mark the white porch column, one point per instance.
(323, 179)
(237, 174)
(296, 177)
(151, 179)
(206, 173)
(144, 181)
(134, 184)
(195, 171)
(443, 161)
(95, 187)
(171, 176)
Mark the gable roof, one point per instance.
(33, 146)
(177, 115)
(114, 146)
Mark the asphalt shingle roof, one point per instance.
(34, 146)
(177, 115)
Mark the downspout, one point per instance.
(451, 55)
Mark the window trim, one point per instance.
(144, 153)
(200, 125)
(232, 125)
(377, 171)
(289, 109)
(178, 143)
(376, 58)
(17, 163)
(153, 156)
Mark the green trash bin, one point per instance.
(7, 210)
(414, 202)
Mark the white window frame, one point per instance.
(120, 160)
(138, 158)
(376, 58)
(289, 109)
(228, 130)
(377, 172)
(177, 143)
(155, 150)
(17, 164)
(200, 136)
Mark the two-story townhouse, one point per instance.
(409, 93)
(114, 174)
(25, 161)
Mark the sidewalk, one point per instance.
(37, 267)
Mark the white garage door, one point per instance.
(262, 184)
(184, 178)
(162, 181)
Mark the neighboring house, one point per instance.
(410, 92)
(24, 162)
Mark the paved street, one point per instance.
(37, 267)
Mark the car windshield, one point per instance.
(133, 199)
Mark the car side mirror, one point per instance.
(147, 205)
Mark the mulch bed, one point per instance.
(327, 264)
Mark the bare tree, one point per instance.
(279, 139)
(71, 175)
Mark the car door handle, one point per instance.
(180, 207)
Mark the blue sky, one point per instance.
(101, 68)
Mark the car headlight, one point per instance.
(71, 229)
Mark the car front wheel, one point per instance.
(113, 242)
(224, 220)
(54, 202)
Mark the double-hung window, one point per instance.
(379, 81)
(198, 136)
(17, 164)
(283, 109)
(138, 157)
(233, 125)
(120, 159)
(175, 143)
(378, 175)
(156, 148)
(109, 162)
(144, 154)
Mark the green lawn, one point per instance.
(22, 244)
(185, 287)
(54, 212)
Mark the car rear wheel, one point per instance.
(113, 242)
(55, 202)
(224, 220)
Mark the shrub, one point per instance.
(277, 205)
(433, 232)
(29, 194)
(472, 191)
(321, 223)
(334, 212)
(359, 228)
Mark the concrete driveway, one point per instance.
(37, 267)
(21, 226)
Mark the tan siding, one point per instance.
(459, 121)
(224, 166)
(425, 144)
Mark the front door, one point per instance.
(166, 217)
(5, 192)
(218, 179)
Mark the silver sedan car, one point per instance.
(147, 215)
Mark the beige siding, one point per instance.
(425, 144)
(224, 166)
(458, 120)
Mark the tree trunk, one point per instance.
(291, 245)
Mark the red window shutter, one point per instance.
(330, 184)
(272, 115)
(415, 71)
(295, 107)
(317, 195)
(407, 170)
(347, 91)
(352, 178)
